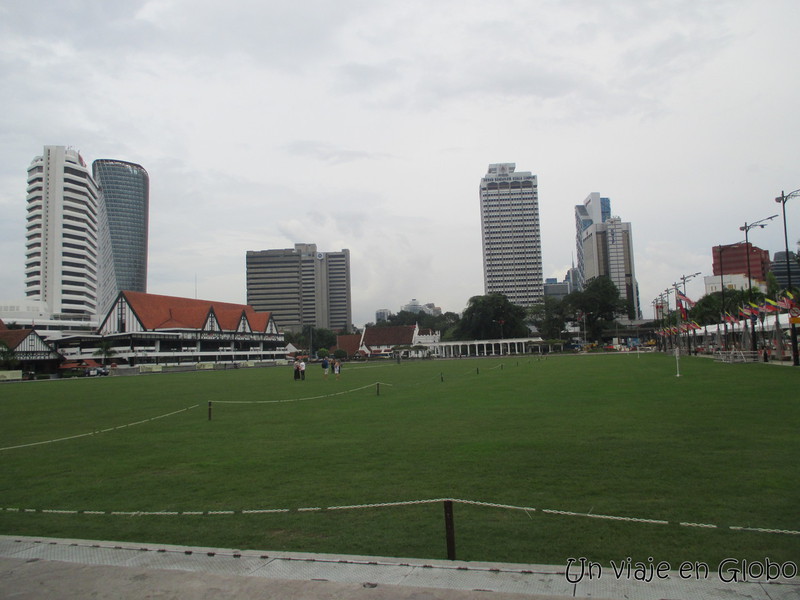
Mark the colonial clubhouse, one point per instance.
(143, 328)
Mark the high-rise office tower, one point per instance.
(301, 286)
(607, 250)
(512, 252)
(61, 255)
(593, 210)
(125, 190)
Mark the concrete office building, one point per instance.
(593, 210)
(61, 257)
(512, 254)
(608, 251)
(125, 192)
(301, 286)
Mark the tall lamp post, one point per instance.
(684, 279)
(746, 228)
(782, 199)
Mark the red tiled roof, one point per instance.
(14, 337)
(348, 343)
(396, 335)
(172, 312)
(2, 325)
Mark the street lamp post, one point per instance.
(746, 228)
(782, 199)
(684, 279)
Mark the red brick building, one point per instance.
(732, 260)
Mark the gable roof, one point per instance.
(350, 343)
(395, 335)
(14, 337)
(172, 312)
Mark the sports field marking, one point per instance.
(80, 435)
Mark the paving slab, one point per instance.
(33, 567)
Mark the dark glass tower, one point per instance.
(125, 189)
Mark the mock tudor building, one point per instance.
(153, 329)
(28, 350)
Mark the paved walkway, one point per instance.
(33, 567)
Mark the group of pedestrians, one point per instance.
(300, 368)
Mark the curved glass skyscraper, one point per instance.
(125, 189)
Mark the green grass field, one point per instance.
(616, 435)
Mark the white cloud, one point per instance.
(367, 125)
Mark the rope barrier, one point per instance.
(309, 509)
(300, 399)
(80, 435)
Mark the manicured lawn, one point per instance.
(616, 435)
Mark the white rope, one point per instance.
(296, 399)
(527, 509)
(80, 435)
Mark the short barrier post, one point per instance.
(378, 389)
(441, 376)
(450, 530)
(209, 410)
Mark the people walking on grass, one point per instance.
(337, 368)
(297, 369)
(325, 367)
(302, 369)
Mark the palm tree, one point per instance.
(105, 349)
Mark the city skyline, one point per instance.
(264, 125)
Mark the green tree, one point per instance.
(491, 317)
(598, 304)
(104, 350)
(708, 309)
(548, 317)
(8, 358)
(323, 353)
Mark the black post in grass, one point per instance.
(209, 410)
(450, 530)
(441, 377)
(378, 389)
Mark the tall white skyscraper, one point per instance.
(62, 234)
(512, 250)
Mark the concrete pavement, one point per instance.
(32, 567)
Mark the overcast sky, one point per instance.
(368, 124)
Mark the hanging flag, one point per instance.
(770, 306)
(683, 297)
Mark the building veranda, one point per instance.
(149, 329)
